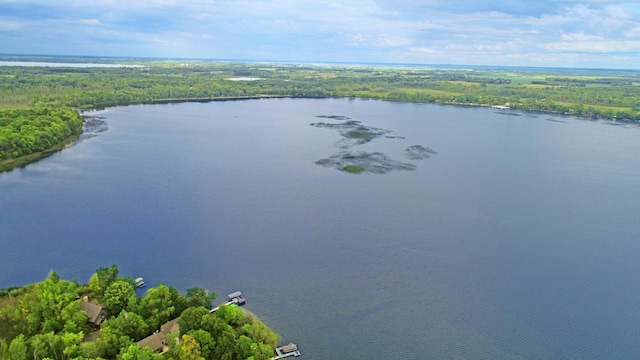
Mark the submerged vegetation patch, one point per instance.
(334, 117)
(557, 120)
(353, 169)
(356, 162)
(355, 133)
(508, 113)
(93, 126)
(419, 152)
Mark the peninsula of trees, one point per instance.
(53, 320)
(36, 95)
(28, 134)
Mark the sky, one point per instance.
(549, 33)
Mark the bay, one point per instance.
(517, 240)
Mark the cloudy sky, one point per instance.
(566, 33)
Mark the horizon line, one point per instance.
(323, 62)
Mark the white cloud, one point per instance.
(12, 25)
(89, 22)
(470, 31)
(633, 32)
(164, 42)
(580, 37)
(596, 46)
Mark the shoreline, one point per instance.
(254, 97)
(22, 161)
(11, 164)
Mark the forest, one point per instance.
(24, 132)
(46, 321)
(35, 101)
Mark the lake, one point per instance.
(61, 64)
(518, 239)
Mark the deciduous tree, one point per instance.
(102, 278)
(200, 297)
(18, 348)
(191, 319)
(120, 295)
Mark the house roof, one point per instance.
(289, 348)
(154, 342)
(95, 312)
(158, 341)
(170, 327)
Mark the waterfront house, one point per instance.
(96, 312)
(159, 341)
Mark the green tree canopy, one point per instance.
(120, 295)
(18, 348)
(191, 319)
(199, 297)
(102, 278)
(128, 324)
(158, 306)
(134, 352)
(44, 321)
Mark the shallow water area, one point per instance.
(517, 240)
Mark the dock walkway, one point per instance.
(234, 298)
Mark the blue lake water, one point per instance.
(520, 239)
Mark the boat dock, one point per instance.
(282, 352)
(234, 298)
(285, 351)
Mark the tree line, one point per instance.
(38, 100)
(615, 95)
(28, 131)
